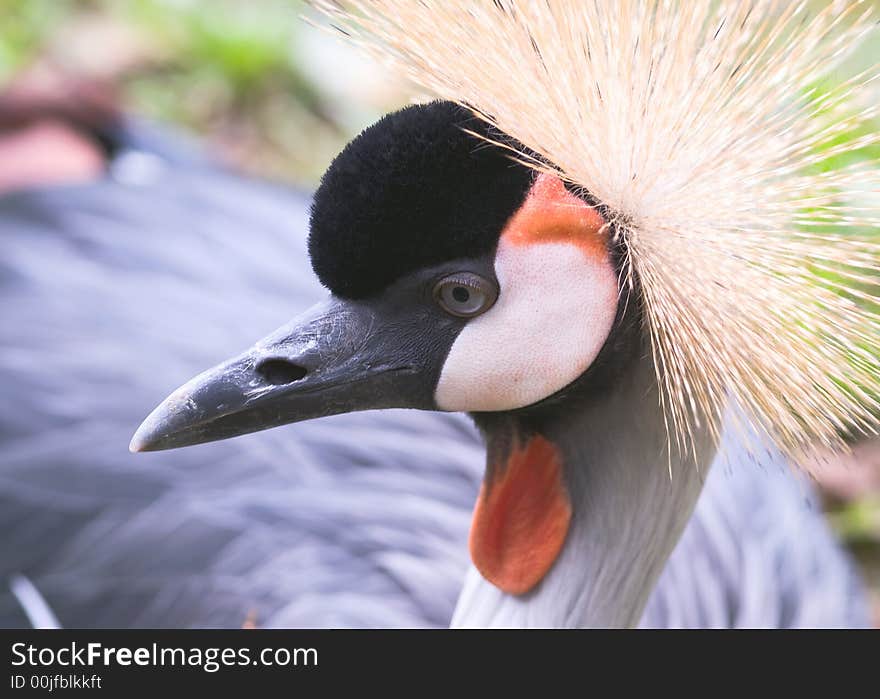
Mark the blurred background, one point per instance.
(276, 97)
(265, 89)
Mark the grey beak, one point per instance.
(337, 357)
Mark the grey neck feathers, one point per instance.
(628, 515)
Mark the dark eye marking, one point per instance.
(461, 294)
(465, 294)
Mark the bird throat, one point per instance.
(604, 505)
(523, 511)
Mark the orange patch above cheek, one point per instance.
(552, 214)
(521, 518)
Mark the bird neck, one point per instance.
(630, 500)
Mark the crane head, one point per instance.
(459, 279)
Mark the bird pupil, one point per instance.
(460, 294)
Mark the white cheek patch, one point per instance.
(555, 309)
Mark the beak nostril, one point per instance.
(280, 371)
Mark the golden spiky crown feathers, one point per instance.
(739, 176)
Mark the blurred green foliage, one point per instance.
(25, 24)
(228, 70)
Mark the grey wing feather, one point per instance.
(116, 292)
(757, 553)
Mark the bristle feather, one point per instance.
(706, 131)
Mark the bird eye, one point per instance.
(465, 294)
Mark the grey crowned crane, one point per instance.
(114, 288)
(598, 249)
(461, 279)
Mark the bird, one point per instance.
(461, 280)
(112, 291)
(596, 319)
